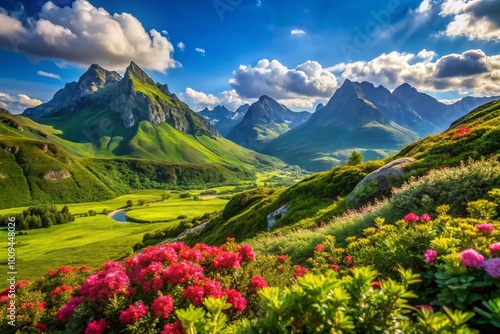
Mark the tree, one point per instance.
(130, 203)
(355, 159)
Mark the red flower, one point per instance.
(235, 298)
(181, 272)
(61, 289)
(41, 305)
(348, 259)
(41, 327)
(319, 248)
(227, 260)
(195, 294)
(163, 306)
(334, 267)
(258, 282)
(175, 328)
(246, 253)
(96, 327)
(376, 285)
(299, 271)
(133, 313)
(282, 258)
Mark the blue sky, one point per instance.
(232, 51)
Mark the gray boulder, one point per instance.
(380, 177)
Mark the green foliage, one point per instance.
(356, 158)
(329, 304)
(454, 186)
(129, 204)
(481, 209)
(38, 217)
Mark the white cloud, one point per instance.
(83, 34)
(17, 104)
(471, 72)
(424, 7)
(49, 75)
(181, 46)
(199, 100)
(473, 19)
(297, 32)
(200, 50)
(276, 80)
(164, 32)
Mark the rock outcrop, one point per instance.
(380, 177)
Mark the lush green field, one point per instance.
(172, 208)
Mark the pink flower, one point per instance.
(425, 217)
(487, 228)
(494, 249)
(492, 267)
(194, 293)
(425, 307)
(96, 327)
(334, 267)
(246, 253)
(163, 306)
(348, 259)
(68, 310)
(430, 256)
(133, 313)
(471, 258)
(258, 282)
(411, 218)
(175, 328)
(319, 248)
(181, 272)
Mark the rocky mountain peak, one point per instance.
(134, 70)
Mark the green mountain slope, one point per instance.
(316, 198)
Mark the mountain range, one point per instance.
(223, 119)
(107, 134)
(265, 120)
(368, 119)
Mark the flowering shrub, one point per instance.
(462, 132)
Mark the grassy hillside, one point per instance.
(374, 141)
(35, 172)
(319, 197)
(103, 166)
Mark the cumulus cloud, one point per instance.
(471, 72)
(297, 32)
(200, 51)
(83, 34)
(181, 46)
(199, 100)
(468, 63)
(49, 75)
(473, 19)
(17, 104)
(276, 80)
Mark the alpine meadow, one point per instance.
(250, 167)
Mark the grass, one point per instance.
(170, 209)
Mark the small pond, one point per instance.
(119, 216)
